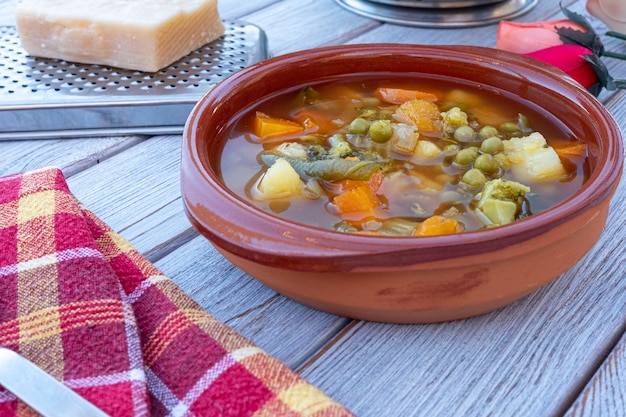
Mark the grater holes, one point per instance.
(26, 75)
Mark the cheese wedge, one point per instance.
(145, 35)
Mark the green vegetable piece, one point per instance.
(492, 145)
(465, 157)
(509, 127)
(474, 178)
(486, 163)
(308, 95)
(465, 134)
(503, 161)
(333, 169)
(451, 149)
(340, 147)
(487, 132)
(381, 131)
(455, 117)
(397, 226)
(345, 227)
(499, 212)
(359, 126)
(501, 200)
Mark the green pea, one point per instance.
(359, 126)
(492, 145)
(503, 161)
(474, 178)
(486, 163)
(466, 157)
(464, 134)
(487, 132)
(381, 131)
(451, 149)
(509, 127)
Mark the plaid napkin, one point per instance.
(82, 303)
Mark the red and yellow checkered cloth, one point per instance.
(79, 301)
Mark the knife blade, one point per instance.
(40, 390)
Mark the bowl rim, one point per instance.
(298, 250)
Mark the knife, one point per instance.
(40, 390)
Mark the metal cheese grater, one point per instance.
(44, 98)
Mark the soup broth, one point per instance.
(401, 157)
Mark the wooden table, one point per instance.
(559, 351)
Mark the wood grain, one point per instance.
(559, 351)
(605, 393)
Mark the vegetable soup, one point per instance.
(401, 157)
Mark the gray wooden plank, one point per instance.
(235, 9)
(307, 24)
(71, 155)
(130, 187)
(605, 395)
(606, 391)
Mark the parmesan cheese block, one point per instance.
(145, 35)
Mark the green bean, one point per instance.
(333, 169)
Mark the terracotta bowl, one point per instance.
(395, 279)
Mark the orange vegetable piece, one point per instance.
(373, 183)
(401, 95)
(267, 127)
(323, 121)
(438, 225)
(422, 113)
(360, 199)
(576, 149)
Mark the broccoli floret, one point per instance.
(501, 200)
(340, 148)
